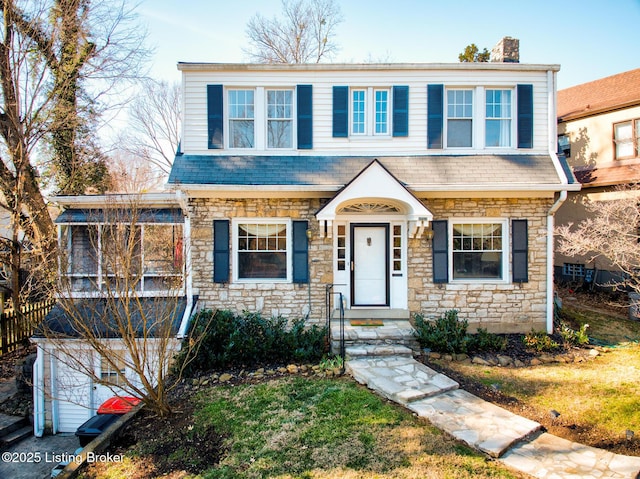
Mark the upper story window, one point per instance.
(369, 111)
(626, 138)
(498, 118)
(273, 109)
(564, 145)
(279, 119)
(459, 118)
(241, 118)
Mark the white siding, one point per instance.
(73, 395)
(195, 106)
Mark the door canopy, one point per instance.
(375, 191)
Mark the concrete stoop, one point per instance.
(13, 429)
(516, 441)
(393, 332)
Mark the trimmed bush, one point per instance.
(539, 341)
(446, 334)
(223, 338)
(485, 341)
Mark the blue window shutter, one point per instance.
(215, 120)
(340, 111)
(300, 252)
(435, 116)
(220, 251)
(520, 251)
(525, 116)
(305, 116)
(440, 247)
(400, 111)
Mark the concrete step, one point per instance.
(482, 425)
(8, 424)
(392, 332)
(16, 436)
(399, 378)
(372, 350)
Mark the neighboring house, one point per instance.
(599, 133)
(64, 395)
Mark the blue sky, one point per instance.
(590, 39)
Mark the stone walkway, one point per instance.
(517, 442)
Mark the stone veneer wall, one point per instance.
(286, 299)
(502, 308)
(498, 307)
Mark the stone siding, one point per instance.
(501, 307)
(498, 307)
(286, 299)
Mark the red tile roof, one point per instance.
(601, 95)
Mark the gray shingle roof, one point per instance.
(491, 171)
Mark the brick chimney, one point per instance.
(506, 50)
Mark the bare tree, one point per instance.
(153, 131)
(121, 303)
(59, 60)
(304, 34)
(608, 237)
(133, 174)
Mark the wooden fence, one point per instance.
(16, 329)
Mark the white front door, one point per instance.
(369, 265)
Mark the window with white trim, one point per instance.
(262, 250)
(478, 250)
(498, 118)
(279, 118)
(369, 111)
(341, 247)
(459, 118)
(626, 138)
(113, 370)
(241, 118)
(118, 256)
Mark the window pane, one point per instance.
(262, 251)
(382, 112)
(279, 134)
(623, 137)
(83, 255)
(459, 133)
(279, 119)
(163, 249)
(241, 113)
(477, 251)
(358, 110)
(498, 113)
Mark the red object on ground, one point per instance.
(118, 405)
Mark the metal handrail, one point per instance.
(328, 296)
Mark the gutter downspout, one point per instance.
(38, 393)
(184, 324)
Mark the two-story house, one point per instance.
(599, 133)
(406, 187)
(409, 187)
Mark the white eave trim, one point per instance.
(164, 199)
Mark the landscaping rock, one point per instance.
(505, 361)
(460, 357)
(433, 355)
(226, 377)
(519, 364)
(535, 362)
(293, 369)
(593, 353)
(480, 361)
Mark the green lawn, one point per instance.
(301, 427)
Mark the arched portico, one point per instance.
(370, 221)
